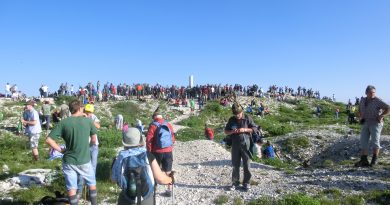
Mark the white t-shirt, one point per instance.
(45, 88)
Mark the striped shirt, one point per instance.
(370, 109)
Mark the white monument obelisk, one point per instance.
(191, 81)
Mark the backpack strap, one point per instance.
(156, 123)
(139, 191)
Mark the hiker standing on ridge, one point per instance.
(78, 133)
(159, 141)
(372, 110)
(240, 127)
(32, 123)
(7, 90)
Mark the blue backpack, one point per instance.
(163, 135)
(269, 152)
(133, 174)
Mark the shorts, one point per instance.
(34, 140)
(372, 130)
(71, 173)
(165, 160)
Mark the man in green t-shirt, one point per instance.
(78, 133)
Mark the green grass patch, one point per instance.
(328, 163)
(63, 98)
(189, 134)
(292, 144)
(31, 195)
(221, 199)
(279, 164)
(327, 197)
(13, 104)
(238, 201)
(273, 126)
(379, 197)
(110, 138)
(130, 112)
(7, 114)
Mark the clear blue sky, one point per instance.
(335, 46)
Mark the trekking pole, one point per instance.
(173, 194)
(173, 186)
(85, 193)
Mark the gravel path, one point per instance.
(203, 172)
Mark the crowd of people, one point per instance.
(109, 91)
(77, 126)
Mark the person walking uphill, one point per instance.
(239, 128)
(94, 148)
(134, 165)
(78, 133)
(159, 141)
(33, 127)
(372, 110)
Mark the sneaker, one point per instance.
(234, 187)
(246, 187)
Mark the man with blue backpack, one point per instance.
(135, 171)
(159, 141)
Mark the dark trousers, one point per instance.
(238, 153)
(47, 118)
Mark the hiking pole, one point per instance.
(173, 186)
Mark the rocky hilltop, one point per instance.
(318, 159)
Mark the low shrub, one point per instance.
(221, 199)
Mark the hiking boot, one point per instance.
(373, 161)
(246, 187)
(363, 162)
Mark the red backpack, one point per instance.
(209, 133)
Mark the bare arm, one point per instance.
(386, 112)
(53, 144)
(159, 176)
(97, 125)
(93, 139)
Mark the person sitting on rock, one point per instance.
(269, 151)
(249, 109)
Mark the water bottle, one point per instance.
(132, 186)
